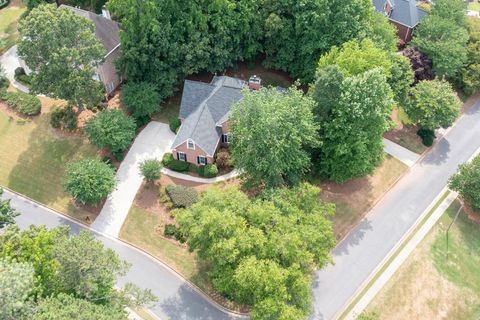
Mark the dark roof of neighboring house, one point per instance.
(204, 107)
(404, 12)
(106, 30)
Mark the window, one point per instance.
(202, 160)
(191, 144)
(181, 156)
(226, 138)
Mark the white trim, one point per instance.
(108, 53)
(182, 153)
(188, 144)
(204, 158)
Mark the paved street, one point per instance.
(366, 246)
(178, 301)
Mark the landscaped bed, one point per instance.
(33, 158)
(430, 286)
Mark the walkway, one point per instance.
(154, 140)
(366, 246)
(9, 61)
(183, 176)
(403, 154)
(177, 298)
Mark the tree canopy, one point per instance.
(433, 104)
(262, 252)
(111, 129)
(467, 183)
(383, 33)
(470, 75)
(89, 180)
(62, 51)
(402, 78)
(7, 213)
(280, 126)
(141, 99)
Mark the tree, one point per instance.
(355, 57)
(470, 75)
(64, 306)
(151, 169)
(16, 289)
(453, 10)
(141, 99)
(297, 33)
(467, 183)
(262, 251)
(61, 50)
(422, 65)
(352, 130)
(402, 78)
(444, 41)
(280, 125)
(111, 129)
(383, 33)
(87, 269)
(89, 180)
(433, 104)
(7, 213)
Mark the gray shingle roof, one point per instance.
(204, 106)
(106, 30)
(404, 12)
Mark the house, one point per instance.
(404, 14)
(204, 113)
(106, 31)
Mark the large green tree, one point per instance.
(352, 123)
(89, 180)
(297, 33)
(402, 78)
(16, 289)
(7, 213)
(443, 37)
(111, 129)
(271, 131)
(467, 183)
(470, 75)
(141, 99)
(62, 51)
(382, 32)
(262, 252)
(433, 104)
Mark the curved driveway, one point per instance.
(357, 256)
(178, 301)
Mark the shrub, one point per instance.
(223, 159)
(208, 171)
(151, 169)
(89, 180)
(467, 183)
(24, 103)
(141, 100)
(170, 230)
(19, 71)
(167, 159)
(63, 118)
(174, 124)
(3, 81)
(427, 135)
(181, 196)
(24, 79)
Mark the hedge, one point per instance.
(181, 196)
(208, 171)
(173, 164)
(24, 103)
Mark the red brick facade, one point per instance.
(404, 33)
(191, 154)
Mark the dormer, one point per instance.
(388, 7)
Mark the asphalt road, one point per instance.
(365, 247)
(178, 301)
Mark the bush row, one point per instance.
(207, 171)
(22, 102)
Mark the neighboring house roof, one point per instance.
(204, 107)
(404, 12)
(106, 30)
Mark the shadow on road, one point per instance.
(354, 237)
(440, 154)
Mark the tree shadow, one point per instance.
(439, 154)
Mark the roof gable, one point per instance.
(404, 12)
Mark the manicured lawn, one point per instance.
(430, 286)
(475, 5)
(8, 24)
(33, 158)
(355, 198)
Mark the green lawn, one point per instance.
(33, 158)
(431, 286)
(8, 26)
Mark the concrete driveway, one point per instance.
(9, 62)
(154, 140)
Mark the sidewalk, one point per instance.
(9, 62)
(183, 176)
(154, 140)
(397, 151)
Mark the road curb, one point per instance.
(138, 249)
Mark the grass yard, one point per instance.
(33, 158)
(474, 5)
(430, 286)
(355, 198)
(9, 17)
